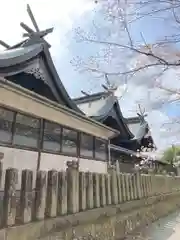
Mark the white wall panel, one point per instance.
(20, 159)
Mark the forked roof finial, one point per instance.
(141, 113)
(34, 36)
(109, 87)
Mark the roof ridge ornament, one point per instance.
(33, 37)
(142, 114)
(109, 87)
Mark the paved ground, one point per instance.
(167, 228)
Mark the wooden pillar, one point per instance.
(40, 195)
(127, 183)
(108, 189)
(73, 186)
(147, 185)
(26, 196)
(1, 170)
(130, 186)
(151, 187)
(119, 187)
(142, 185)
(138, 185)
(9, 201)
(52, 194)
(89, 190)
(82, 191)
(134, 186)
(62, 193)
(102, 190)
(114, 190)
(96, 190)
(123, 187)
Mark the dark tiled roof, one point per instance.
(132, 120)
(97, 108)
(138, 128)
(102, 105)
(15, 59)
(91, 97)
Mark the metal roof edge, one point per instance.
(5, 63)
(122, 149)
(130, 120)
(131, 135)
(90, 97)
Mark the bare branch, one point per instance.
(161, 61)
(134, 70)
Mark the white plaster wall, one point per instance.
(23, 159)
(86, 165)
(52, 161)
(20, 159)
(59, 163)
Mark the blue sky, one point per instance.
(64, 18)
(173, 109)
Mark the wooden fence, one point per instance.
(71, 191)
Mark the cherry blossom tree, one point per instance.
(123, 57)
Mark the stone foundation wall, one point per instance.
(108, 223)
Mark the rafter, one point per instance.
(2, 43)
(85, 93)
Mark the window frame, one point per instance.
(39, 147)
(12, 126)
(42, 140)
(93, 150)
(77, 154)
(106, 149)
(26, 147)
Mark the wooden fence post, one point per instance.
(73, 186)
(102, 190)
(9, 201)
(62, 193)
(89, 190)
(82, 191)
(114, 190)
(51, 196)
(26, 196)
(96, 190)
(40, 195)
